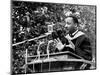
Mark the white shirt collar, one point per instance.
(75, 32)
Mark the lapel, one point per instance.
(76, 35)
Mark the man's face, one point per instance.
(69, 23)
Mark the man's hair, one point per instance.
(74, 19)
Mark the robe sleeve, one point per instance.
(83, 48)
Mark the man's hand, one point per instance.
(59, 44)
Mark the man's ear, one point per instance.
(75, 24)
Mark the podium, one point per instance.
(61, 61)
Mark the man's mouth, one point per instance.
(66, 28)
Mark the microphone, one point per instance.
(54, 35)
(60, 34)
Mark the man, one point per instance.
(77, 41)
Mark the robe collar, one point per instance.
(74, 35)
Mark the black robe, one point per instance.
(82, 47)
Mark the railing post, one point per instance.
(26, 61)
(48, 52)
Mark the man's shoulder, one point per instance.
(83, 37)
(79, 34)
